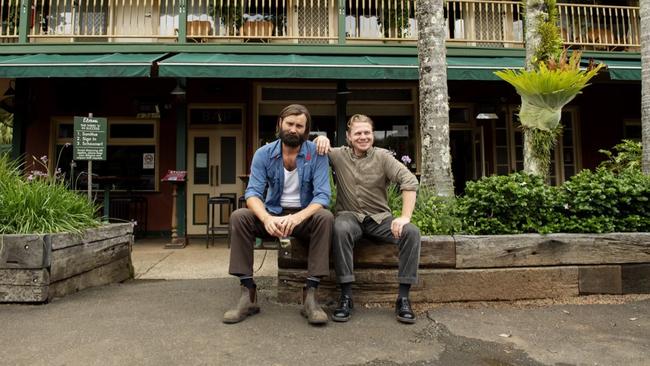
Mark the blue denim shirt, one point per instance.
(267, 170)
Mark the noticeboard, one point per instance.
(89, 138)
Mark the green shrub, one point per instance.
(507, 204)
(627, 156)
(433, 215)
(40, 204)
(603, 201)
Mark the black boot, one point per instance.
(403, 310)
(344, 310)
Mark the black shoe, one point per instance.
(343, 312)
(403, 310)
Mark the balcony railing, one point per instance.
(479, 23)
(600, 27)
(9, 17)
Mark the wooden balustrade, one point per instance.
(478, 23)
(599, 27)
(9, 18)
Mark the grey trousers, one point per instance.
(245, 226)
(348, 231)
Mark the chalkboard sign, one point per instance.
(89, 138)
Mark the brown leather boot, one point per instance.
(246, 306)
(310, 308)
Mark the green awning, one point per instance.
(325, 67)
(76, 66)
(480, 68)
(624, 69)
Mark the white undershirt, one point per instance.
(291, 192)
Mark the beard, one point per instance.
(291, 140)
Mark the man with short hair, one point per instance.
(362, 174)
(296, 181)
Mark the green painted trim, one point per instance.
(18, 139)
(182, 22)
(23, 24)
(341, 25)
(181, 158)
(107, 204)
(276, 48)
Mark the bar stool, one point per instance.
(212, 228)
(242, 202)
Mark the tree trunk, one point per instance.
(645, 84)
(434, 104)
(531, 164)
(536, 10)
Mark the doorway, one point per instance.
(467, 156)
(215, 168)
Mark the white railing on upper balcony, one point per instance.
(380, 19)
(481, 23)
(9, 15)
(104, 20)
(306, 21)
(473, 22)
(485, 23)
(600, 27)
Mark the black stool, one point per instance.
(242, 202)
(212, 229)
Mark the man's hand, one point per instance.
(282, 226)
(274, 225)
(397, 226)
(322, 145)
(289, 223)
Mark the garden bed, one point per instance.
(493, 267)
(38, 268)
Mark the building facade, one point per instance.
(197, 86)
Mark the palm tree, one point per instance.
(434, 105)
(645, 84)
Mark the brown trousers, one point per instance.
(316, 230)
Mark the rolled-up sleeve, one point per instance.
(257, 180)
(322, 190)
(399, 173)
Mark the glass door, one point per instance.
(215, 168)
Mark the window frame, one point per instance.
(154, 141)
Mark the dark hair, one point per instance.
(360, 118)
(295, 110)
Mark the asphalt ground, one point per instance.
(171, 315)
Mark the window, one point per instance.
(565, 162)
(632, 129)
(131, 162)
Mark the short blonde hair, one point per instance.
(360, 118)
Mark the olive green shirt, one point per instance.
(362, 181)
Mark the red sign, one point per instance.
(174, 176)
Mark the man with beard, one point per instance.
(296, 181)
